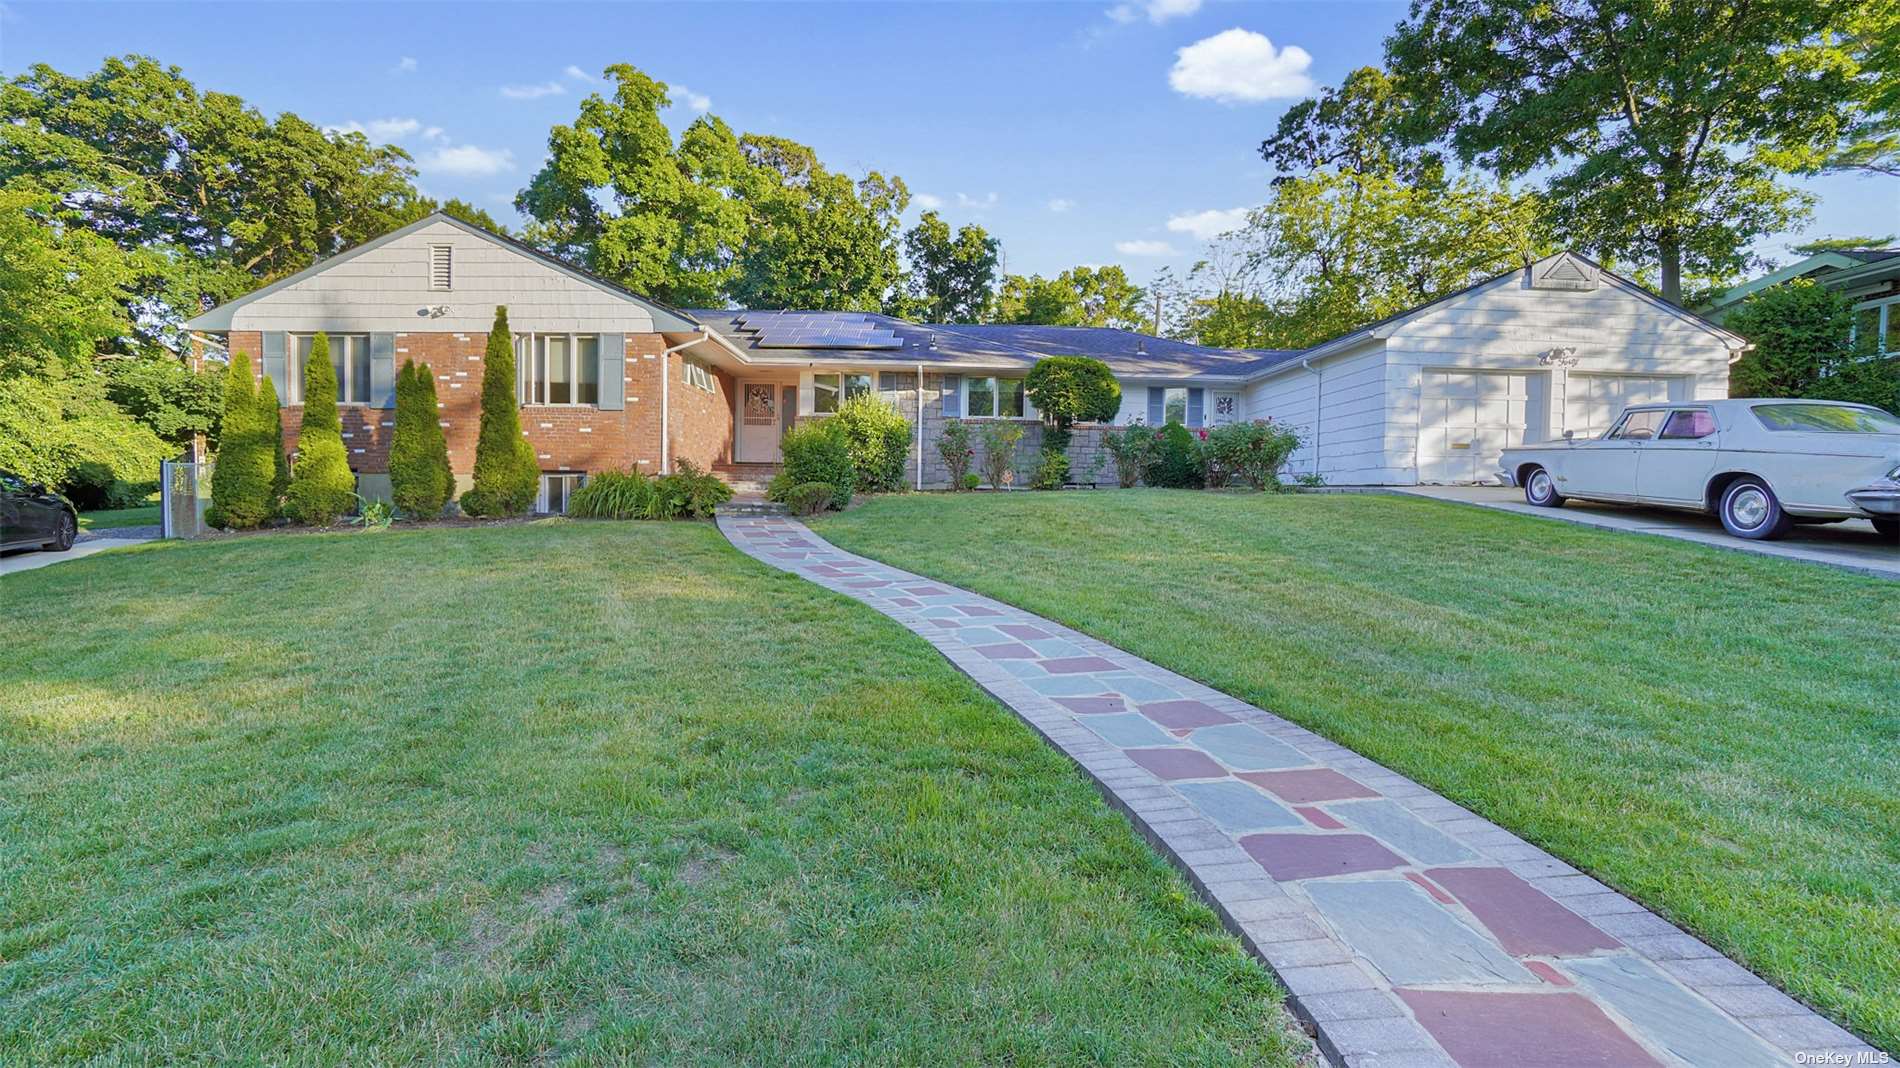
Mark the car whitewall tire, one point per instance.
(1749, 509)
(1541, 490)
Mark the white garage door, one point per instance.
(1598, 399)
(1466, 418)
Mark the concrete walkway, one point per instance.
(1852, 545)
(1408, 931)
(15, 562)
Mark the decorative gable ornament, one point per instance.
(1563, 271)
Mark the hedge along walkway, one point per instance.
(1407, 930)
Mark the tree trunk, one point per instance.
(1669, 252)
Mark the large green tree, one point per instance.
(1872, 143)
(1662, 128)
(214, 195)
(65, 291)
(952, 276)
(1079, 296)
(712, 217)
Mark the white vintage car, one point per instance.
(1760, 465)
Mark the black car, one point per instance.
(34, 517)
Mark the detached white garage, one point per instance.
(1435, 393)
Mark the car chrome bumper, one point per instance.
(1877, 498)
(1507, 478)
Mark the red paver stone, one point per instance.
(906, 602)
(1524, 1030)
(1071, 665)
(1177, 763)
(1318, 817)
(1548, 974)
(1311, 856)
(1301, 787)
(976, 610)
(1092, 706)
(1024, 631)
(1007, 651)
(865, 584)
(1526, 921)
(1184, 715)
(925, 591)
(1432, 888)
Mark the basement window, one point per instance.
(556, 490)
(441, 266)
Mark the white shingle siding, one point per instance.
(389, 289)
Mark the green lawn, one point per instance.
(142, 516)
(1716, 733)
(603, 792)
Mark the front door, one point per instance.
(760, 411)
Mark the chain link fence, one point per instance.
(184, 491)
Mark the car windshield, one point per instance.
(1826, 419)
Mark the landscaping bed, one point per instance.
(1710, 732)
(559, 791)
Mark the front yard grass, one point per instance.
(1717, 734)
(588, 792)
(111, 518)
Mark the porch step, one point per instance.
(750, 506)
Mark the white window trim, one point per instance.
(869, 376)
(697, 374)
(524, 369)
(1888, 307)
(294, 368)
(996, 394)
(541, 489)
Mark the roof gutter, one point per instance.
(1319, 399)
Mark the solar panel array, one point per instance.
(817, 330)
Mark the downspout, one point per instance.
(920, 427)
(1319, 397)
(665, 393)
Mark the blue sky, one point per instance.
(1098, 132)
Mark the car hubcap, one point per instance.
(1540, 486)
(1749, 507)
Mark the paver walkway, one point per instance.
(1407, 930)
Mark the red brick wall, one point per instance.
(699, 423)
(564, 438)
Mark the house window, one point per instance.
(829, 389)
(1877, 326)
(441, 266)
(349, 359)
(556, 490)
(1174, 405)
(558, 368)
(697, 375)
(993, 398)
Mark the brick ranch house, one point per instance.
(608, 378)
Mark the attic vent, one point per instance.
(441, 266)
(1141, 347)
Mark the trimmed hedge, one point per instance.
(819, 451)
(809, 498)
(878, 437)
(243, 477)
(419, 478)
(322, 487)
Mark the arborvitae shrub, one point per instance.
(506, 474)
(321, 485)
(419, 478)
(241, 493)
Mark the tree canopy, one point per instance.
(952, 277)
(1079, 296)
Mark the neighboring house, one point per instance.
(610, 379)
(1870, 277)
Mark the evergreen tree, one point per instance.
(241, 478)
(280, 461)
(506, 475)
(419, 476)
(321, 485)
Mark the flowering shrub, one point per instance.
(1131, 446)
(953, 444)
(1252, 452)
(999, 452)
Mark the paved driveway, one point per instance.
(88, 544)
(1852, 544)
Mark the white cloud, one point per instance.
(1156, 11)
(471, 160)
(1145, 248)
(1210, 224)
(380, 130)
(927, 201)
(405, 65)
(982, 203)
(686, 98)
(433, 133)
(1240, 67)
(578, 74)
(532, 92)
(1061, 204)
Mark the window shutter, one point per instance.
(382, 370)
(613, 372)
(441, 266)
(952, 396)
(1157, 396)
(1196, 406)
(274, 362)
